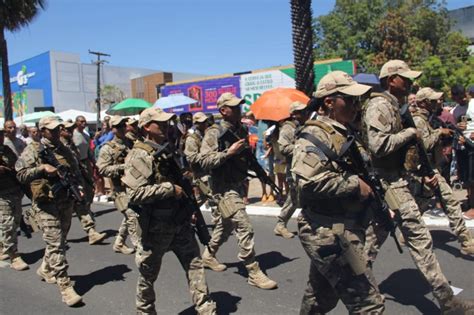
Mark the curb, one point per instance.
(275, 211)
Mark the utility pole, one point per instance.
(99, 62)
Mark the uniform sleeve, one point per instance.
(28, 166)
(430, 139)
(317, 177)
(191, 151)
(138, 180)
(210, 156)
(381, 140)
(286, 140)
(106, 165)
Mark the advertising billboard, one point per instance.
(205, 93)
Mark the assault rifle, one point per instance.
(191, 207)
(67, 181)
(357, 165)
(425, 167)
(231, 137)
(436, 123)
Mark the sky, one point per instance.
(194, 36)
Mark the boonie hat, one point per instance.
(49, 122)
(68, 124)
(428, 94)
(229, 99)
(399, 67)
(117, 120)
(153, 114)
(131, 121)
(297, 106)
(339, 81)
(199, 117)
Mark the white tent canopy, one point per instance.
(73, 113)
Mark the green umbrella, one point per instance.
(35, 117)
(130, 106)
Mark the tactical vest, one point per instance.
(120, 151)
(395, 159)
(8, 159)
(41, 188)
(348, 207)
(235, 169)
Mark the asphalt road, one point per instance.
(107, 280)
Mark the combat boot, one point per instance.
(457, 306)
(95, 237)
(467, 243)
(18, 264)
(69, 295)
(121, 247)
(211, 262)
(281, 230)
(45, 275)
(258, 278)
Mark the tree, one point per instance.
(111, 94)
(375, 31)
(14, 14)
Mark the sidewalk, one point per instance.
(256, 207)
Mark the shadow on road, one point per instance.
(105, 211)
(408, 287)
(85, 239)
(33, 257)
(441, 238)
(226, 304)
(99, 277)
(266, 261)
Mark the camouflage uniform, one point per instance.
(150, 186)
(386, 140)
(286, 141)
(54, 213)
(82, 210)
(111, 164)
(10, 204)
(331, 211)
(431, 141)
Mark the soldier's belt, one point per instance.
(329, 221)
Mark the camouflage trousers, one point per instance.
(331, 278)
(129, 227)
(418, 240)
(83, 212)
(290, 205)
(55, 220)
(423, 196)
(239, 222)
(10, 215)
(179, 239)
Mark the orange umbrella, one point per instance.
(275, 104)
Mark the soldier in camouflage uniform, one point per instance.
(133, 133)
(83, 209)
(228, 171)
(10, 206)
(111, 164)
(427, 103)
(54, 212)
(286, 141)
(151, 187)
(387, 141)
(333, 210)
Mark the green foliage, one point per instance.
(15, 14)
(375, 31)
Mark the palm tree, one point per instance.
(301, 21)
(14, 14)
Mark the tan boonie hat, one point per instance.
(131, 121)
(296, 106)
(428, 94)
(399, 67)
(49, 122)
(229, 99)
(199, 117)
(153, 114)
(68, 124)
(339, 81)
(117, 120)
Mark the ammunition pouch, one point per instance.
(41, 190)
(349, 254)
(229, 205)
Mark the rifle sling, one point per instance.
(330, 154)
